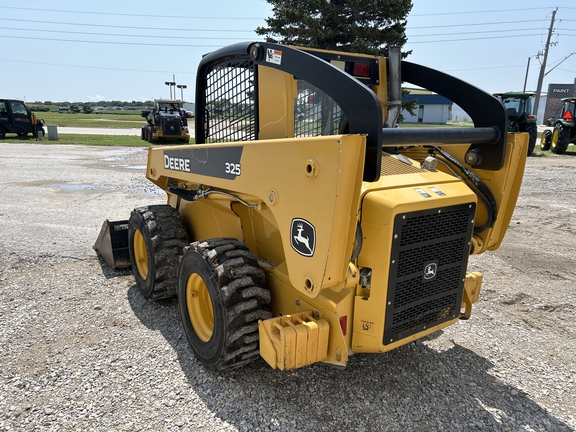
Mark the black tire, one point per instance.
(151, 134)
(222, 294)
(143, 136)
(2, 133)
(21, 134)
(546, 140)
(560, 139)
(156, 239)
(532, 130)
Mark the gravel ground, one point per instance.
(82, 349)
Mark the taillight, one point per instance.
(344, 324)
(361, 70)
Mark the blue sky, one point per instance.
(126, 50)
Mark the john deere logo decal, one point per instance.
(430, 271)
(303, 237)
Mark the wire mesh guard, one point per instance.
(429, 258)
(230, 112)
(315, 113)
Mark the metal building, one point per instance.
(431, 108)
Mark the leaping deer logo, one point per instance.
(303, 237)
(430, 270)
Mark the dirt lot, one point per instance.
(83, 350)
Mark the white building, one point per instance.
(430, 108)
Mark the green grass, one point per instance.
(570, 151)
(95, 140)
(107, 120)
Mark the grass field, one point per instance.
(133, 119)
(96, 140)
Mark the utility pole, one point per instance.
(543, 67)
(526, 78)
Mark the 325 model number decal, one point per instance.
(232, 168)
(219, 162)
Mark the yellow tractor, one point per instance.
(303, 227)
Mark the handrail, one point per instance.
(413, 136)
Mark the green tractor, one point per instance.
(519, 108)
(564, 131)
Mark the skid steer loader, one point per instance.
(167, 123)
(303, 227)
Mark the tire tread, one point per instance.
(244, 295)
(168, 238)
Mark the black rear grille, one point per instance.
(427, 270)
(171, 126)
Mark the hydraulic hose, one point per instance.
(485, 194)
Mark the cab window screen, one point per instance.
(315, 113)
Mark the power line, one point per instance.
(119, 34)
(216, 38)
(473, 39)
(485, 68)
(109, 42)
(125, 27)
(128, 14)
(472, 24)
(93, 67)
(232, 30)
(463, 33)
(218, 46)
(476, 12)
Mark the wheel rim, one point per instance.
(199, 304)
(554, 138)
(140, 254)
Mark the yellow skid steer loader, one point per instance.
(304, 227)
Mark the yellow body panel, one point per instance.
(382, 201)
(277, 120)
(314, 179)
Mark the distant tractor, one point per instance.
(518, 108)
(167, 123)
(564, 131)
(15, 117)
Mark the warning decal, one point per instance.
(274, 56)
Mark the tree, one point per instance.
(361, 26)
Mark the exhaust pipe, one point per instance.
(395, 86)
